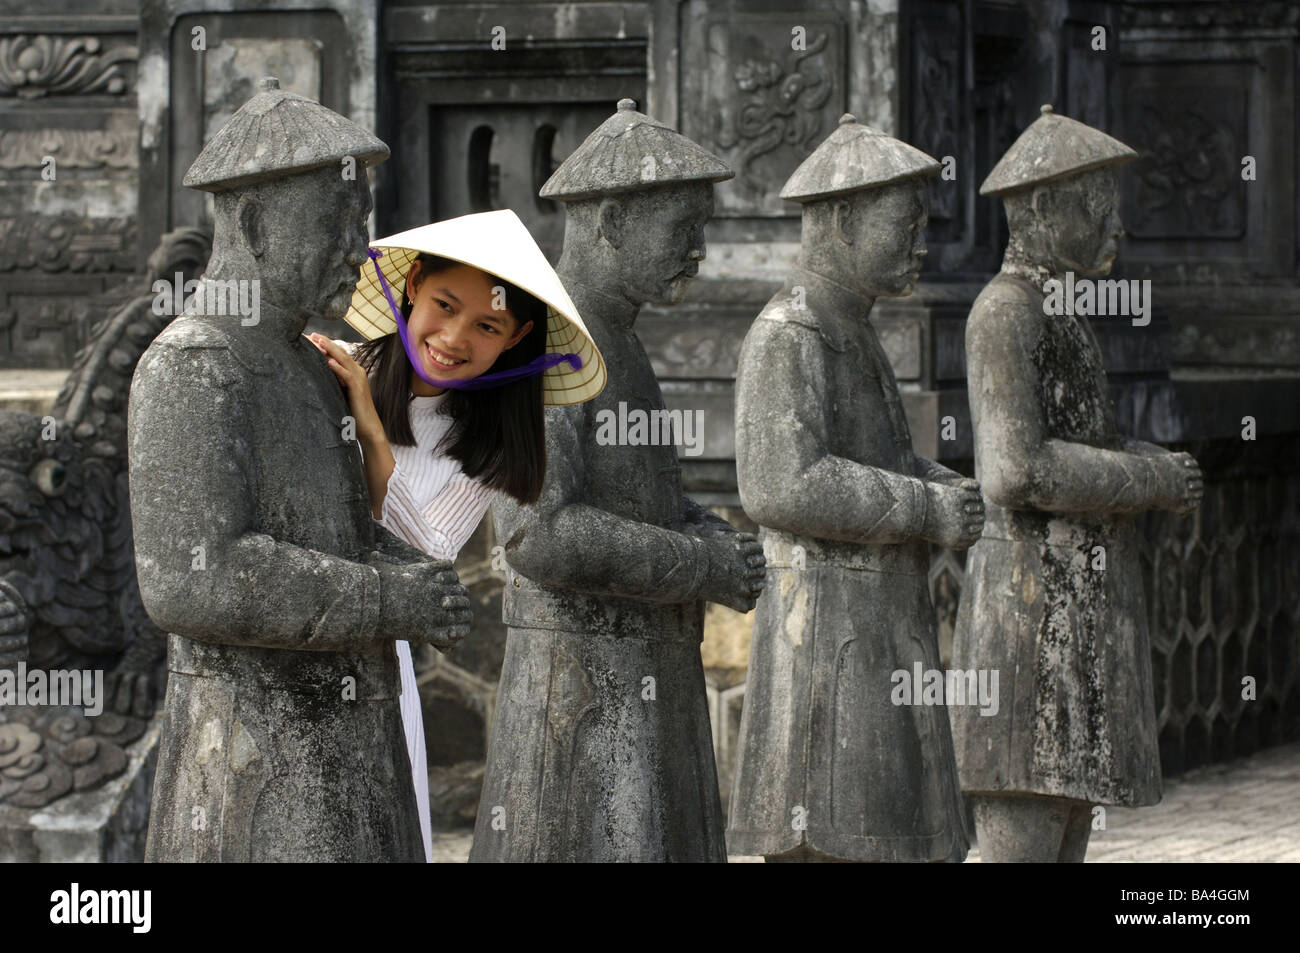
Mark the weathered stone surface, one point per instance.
(68, 592)
(454, 791)
(1052, 148)
(101, 824)
(601, 748)
(1053, 596)
(626, 153)
(855, 157)
(830, 767)
(282, 737)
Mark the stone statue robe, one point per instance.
(825, 465)
(282, 738)
(1067, 632)
(601, 748)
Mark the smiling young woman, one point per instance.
(449, 405)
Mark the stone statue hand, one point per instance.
(1187, 485)
(15, 625)
(954, 516)
(421, 602)
(736, 570)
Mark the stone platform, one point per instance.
(1242, 811)
(104, 825)
(30, 390)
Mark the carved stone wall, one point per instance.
(68, 165)
(202, 60)
(476, 126)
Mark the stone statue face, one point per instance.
(1069, 225)
(873, 240)
(1087, 226)
(662, 240)
(313, 239)
(887, 226)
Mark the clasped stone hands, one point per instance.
(736, 568)
(954, 516)
(422, 601)
(1186, 484)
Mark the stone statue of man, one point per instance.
(255, 547)
(1053, 596)
(830, 765)
(601, 748)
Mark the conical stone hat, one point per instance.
(630, 151)
(276, 134)
(855, 157)
(1052, 148)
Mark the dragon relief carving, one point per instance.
(69, 599)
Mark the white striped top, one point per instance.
(430, 502)
(434, 506)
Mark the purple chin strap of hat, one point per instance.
(536, 366)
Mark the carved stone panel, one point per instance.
(769, 88)
(1188, 182)
(1199, 114)
(32, 67)
(232, 70)
(202, 64)
(938, 96)
(68, 161)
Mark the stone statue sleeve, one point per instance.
(933, 472)
(701, 518)
(205, 572)
(1143, 449)
(788, 477)
(393, 546)
(563, 542)
(1020, 465)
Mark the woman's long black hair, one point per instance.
(497, 434)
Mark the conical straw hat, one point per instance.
(500, 244)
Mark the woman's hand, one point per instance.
(352, 378)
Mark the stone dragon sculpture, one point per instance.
(68, 593)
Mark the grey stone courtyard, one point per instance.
(1244, 811)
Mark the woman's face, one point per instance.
(459, 323)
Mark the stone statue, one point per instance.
(601, 748)
(1053, 595)
(68, 594)
(282, 738)
(829, 765)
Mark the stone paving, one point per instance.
(1244, 810)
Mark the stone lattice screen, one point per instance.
(1223, 596)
